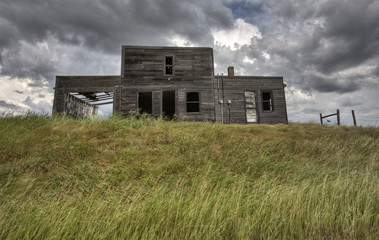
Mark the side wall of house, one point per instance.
(143, 70)
(234, 89)
(67, 84)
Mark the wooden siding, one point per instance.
(143, 70)
(234, 89)
(117, 100)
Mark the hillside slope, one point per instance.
(152, 179)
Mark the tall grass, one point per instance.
(152, 179)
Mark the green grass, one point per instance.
(153, 179)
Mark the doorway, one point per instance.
(145, 102)
(168, 104)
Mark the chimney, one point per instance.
(230, 71)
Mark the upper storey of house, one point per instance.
(150, 65)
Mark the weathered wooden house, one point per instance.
(176, 83)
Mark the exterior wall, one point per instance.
(234, 90)
(143, 70)
(76, 108)
(67, 84)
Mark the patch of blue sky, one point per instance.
(252, 13)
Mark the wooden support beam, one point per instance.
(321, 119)
(354, 120)
(98, 104)
(338, 117)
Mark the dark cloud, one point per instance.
(351, 102)
(306, 39)
(375, 72)
(19, 92)
(348, 36)
(9, 105)
(323, 84)
(98, 26)
(106, 25)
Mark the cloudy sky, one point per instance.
(326, 50)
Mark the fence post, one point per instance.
(354, 120)
(321, 118)
(338, 117)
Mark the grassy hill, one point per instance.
(152, 179)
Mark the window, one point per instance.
(193, 102)
(267, 101)
(251, 113)
(145, 102)
(169, 65)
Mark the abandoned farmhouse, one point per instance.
(176, 83)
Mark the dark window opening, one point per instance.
(267, 101)
(169, 65)
(145, 102)
(168, 70)
(193, 102)
(168, 60)
(168, 104)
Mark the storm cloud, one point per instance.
(28, 28)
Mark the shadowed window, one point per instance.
(145, 102)
(169, 65)
(193, 102)
(267, 101)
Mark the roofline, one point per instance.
(162, 47)
(251, 77)
(91, 76)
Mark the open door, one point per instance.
(168, 104)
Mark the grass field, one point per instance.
(153, 179)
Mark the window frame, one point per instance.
(270, 101)
(168, 65)
(193, 102)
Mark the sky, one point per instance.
(326, 50)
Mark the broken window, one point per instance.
(145, 102)
(267, 101)
(251, 113)
(193, 102)
(169, 65)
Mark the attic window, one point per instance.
(169, 65)
(193, 102)
(267, 101)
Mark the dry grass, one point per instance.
(152, 179)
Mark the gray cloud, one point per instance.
(9, 105)
(318, 38)
(375, 72)
(99, 26)
(105, 25)
(351, 102)
(42, 106)
(323, 84)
